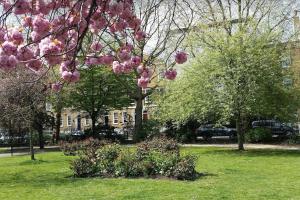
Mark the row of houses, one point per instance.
(74, 120)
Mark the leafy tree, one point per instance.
(97, 92)
(239, 78)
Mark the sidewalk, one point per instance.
(25, 150)
(248, 146)
(19, 151)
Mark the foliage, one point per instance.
(293, 139)
(150, 128)
(106, 157)
(96, 93)
(83, 167)
(127, 165)
(162, 145)
(185, 168)
(86, 147)
(259, 135)
(236, 81)
(69, 148)
(158, 157)
(184, 132)
(163, 163)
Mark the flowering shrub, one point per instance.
(106, 157)
(127, 165)
(185, 168)
(83, 167)
(162, 145)
(87, 147)
(157, 160)
(70, 148)
(163, 163)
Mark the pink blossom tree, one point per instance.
(130, 37)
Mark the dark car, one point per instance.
(210, 130)
(276, 128)
(104, 132)
(76, 135)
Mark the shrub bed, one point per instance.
(158, 157)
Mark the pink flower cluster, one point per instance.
(171, 74)
(68, 71)
(180, 57)
(52, 38)
(145, 76)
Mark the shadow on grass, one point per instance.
(38, 180)
(255, 152)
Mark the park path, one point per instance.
(21, 151)
(248, 146)
(232, 146)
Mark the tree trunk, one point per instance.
(41, 139)
(93, 118)
(57, 125)
(240, 133)
(138, 120)
(31, 145)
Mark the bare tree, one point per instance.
(20, 102)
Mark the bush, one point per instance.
(293, 139)
(156, 157)
(83, 167)
(163, 163)
(185, 168)
(106, 157)
(128, 165)
(159, 144)
(259, 135)
(69, 148)
(87, 147)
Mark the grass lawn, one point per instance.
(254, 174)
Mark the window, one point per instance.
(61, 121)
(115, 118)
(87, 121)
(147, 98)
(69, 122)
(125, 117)
(48, 107)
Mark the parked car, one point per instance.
(210, 130)
(76, 135)
(105, 132)
(276, 127)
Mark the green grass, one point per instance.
(254, 174)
